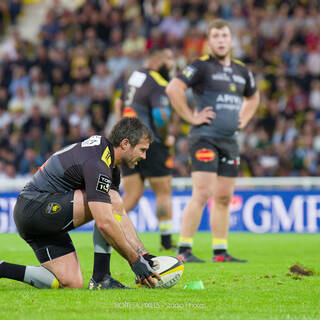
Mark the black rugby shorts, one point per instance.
(214, 155)
(43, 221)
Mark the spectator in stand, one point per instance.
(314, 98)
(134, 44)
(174, 26)
(117, 62)
(36, 119)
(281, 37)
(20, 101)
(49, 29)
(102, 80)
(43, 100)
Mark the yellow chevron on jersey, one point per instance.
(106, 156)
(158, 78)
(205, 57)
(238, 62)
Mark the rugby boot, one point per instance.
(173, 247)
(226, 257)
(107, 283)
(187, 257)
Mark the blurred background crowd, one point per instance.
(60, 89)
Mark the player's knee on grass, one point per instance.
(72, 282)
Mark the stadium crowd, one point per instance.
(62, 89)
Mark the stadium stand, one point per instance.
(60, 88)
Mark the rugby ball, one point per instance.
(170, 270)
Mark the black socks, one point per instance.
(166, 241)
(101, 266)
(12, 271)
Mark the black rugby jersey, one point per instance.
(87, 165)
(144, 97)
(221, 87)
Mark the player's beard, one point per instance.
(129, 164)
(165, 72)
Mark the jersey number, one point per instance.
(130, 96)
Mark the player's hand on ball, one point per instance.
(148, 257)
(143, 272)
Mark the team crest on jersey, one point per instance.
(233, 87)
(103, 184)
(129, 112)
(53, 207)
(205, 155)
(189, 71)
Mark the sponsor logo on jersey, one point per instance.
(205, 155)
(189, 71)
(228, 98)
(221, 77)
(92, 141)
(53, 207)
(169, 162)
(234, 162)
(103, 184)
(238, 79)
(106, 156)
(227, 69)
(129, 112)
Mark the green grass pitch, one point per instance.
(260, 289)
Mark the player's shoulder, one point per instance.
(157, 78)
(98, 147)
(196, 65)
(205, 57)
(239, 64)
(202, 60)
(138, 77)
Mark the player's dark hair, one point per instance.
(154, 51)
(218, 24)
(132, 129)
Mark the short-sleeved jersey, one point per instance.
(144, 94)
(87, 165)
(221, 87)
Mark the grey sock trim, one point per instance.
(220, 247)
(1, 261)
(185, 244)
(99, 242)
(40, 277)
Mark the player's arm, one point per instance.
(176, 93)
(111, 230)
(117, 108)
(125, 223)
(248, 110)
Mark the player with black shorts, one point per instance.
(144, 97)
(75, 185)
(226, 99)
